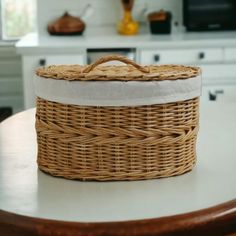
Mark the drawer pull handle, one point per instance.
(42, 62)
(212, 96)
(201, 55)
(157, 58)
(219, 91)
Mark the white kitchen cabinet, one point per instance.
(218, 64)
(224, 73)
(214, 52)
(218, 67)
(12, 100)
(64, 59)
(219, 93)
(11, 92)
(181, 56)
(230, 54)
(31, 62)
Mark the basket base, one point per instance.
(116, 143)
(117, 177)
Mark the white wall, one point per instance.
(105, 12)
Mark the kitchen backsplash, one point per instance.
(103, 12)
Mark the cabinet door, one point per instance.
(61, 60)
(12, 100)
(219, 74)
(219, 93)
(230, 54)
(10, 79)
(181, 56)
(31, 63)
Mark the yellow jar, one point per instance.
(128, 26)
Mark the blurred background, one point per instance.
(38, 33)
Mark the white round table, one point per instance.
(26, 191)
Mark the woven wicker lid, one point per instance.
(129, 72)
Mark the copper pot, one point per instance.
(67, 25)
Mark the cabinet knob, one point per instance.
(212, 96)
(201, 55)
(157, 58)
(42, 62)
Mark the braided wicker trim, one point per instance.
(120, 73)
(101, 136)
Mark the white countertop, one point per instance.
(107, 37)
(27, 191)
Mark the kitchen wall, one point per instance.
(103, 12)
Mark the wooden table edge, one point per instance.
(216, 220)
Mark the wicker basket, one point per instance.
(89, 142)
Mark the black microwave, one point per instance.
(209, 15)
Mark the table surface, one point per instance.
(27, 191)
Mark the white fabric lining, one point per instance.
(117, 93)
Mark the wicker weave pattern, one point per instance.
(120, 73)
(116, 143)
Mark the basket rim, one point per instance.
(118, 73)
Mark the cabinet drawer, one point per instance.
(230, 54)
(219, 93)
(61, 60)
(219, 74)
(179, 56)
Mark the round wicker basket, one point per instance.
(117, 142)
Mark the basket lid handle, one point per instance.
(115, 58)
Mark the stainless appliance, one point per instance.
(95, 54)
(201, 15)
